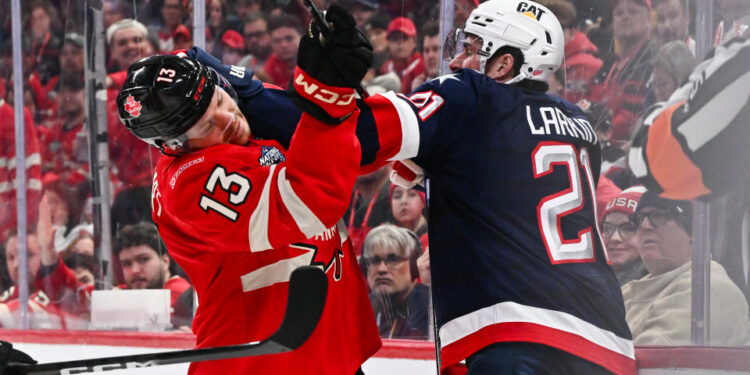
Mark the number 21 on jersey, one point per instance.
(550, 210)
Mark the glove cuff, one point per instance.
(337, 102)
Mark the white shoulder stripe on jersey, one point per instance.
(258, 230)
(409, 127)
(277, 272)
(512, 312)
(306, 220)
(720, 110)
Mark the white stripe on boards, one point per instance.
(512, 312)
(409, 127)
(258, 229)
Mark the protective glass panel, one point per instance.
(98, 262)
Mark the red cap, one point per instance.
(233, 39)
(626, 202)
(181, 30)
(403, 25)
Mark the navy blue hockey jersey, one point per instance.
(515, 250)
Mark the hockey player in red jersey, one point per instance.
(239, 214)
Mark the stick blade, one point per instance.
(308, 288)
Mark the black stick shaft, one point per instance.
(318, 16)
(308, 288)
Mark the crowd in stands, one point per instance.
(621, 57)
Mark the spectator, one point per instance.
(71, 63)
(182, 38)
(217, 24)
(403, 57)
(44, 312)
(673, 64)
(361, 10)
(462, 9)
(369, 206)
(580, 64)
(430, 54)
(658, 306)
(232, 47)
(285, 36)
(673, 23)
(65, 149)
(55, 278)
(172, 14)
(618, 233)
(245, 8)
(400, 304)
(112, 11)
(376, 30)
(621, 83)
(145, 262)
(127, 42)
(84, 266)
(8, 170)
(45, 39)
(407, 206)
(556, 84)
(12, 262)
(257, 41)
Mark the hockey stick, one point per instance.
(308, 287)
(320, 19)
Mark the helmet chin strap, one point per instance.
(520, 77)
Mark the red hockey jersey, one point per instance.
(232, 217)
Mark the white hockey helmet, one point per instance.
(526, 25)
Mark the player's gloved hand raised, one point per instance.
(329, 67)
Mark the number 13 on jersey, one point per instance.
(545, 158)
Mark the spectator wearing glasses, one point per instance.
(389, 260)
(618, 233)
(257, 41)
(658, 306)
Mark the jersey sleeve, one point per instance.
(391, 126)
(697, 143)
(418, 125)
(240, 196)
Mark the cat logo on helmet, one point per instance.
(530, 10)
(133, 107)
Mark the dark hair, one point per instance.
(76, 260)
(253, 17)
(431, 29)
(143, 233)
(518, 59)
(284, 20)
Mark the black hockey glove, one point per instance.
(330, 67)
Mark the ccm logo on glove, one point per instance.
(314, 91)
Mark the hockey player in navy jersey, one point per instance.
(519, 272)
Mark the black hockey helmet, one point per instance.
(163, 96)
